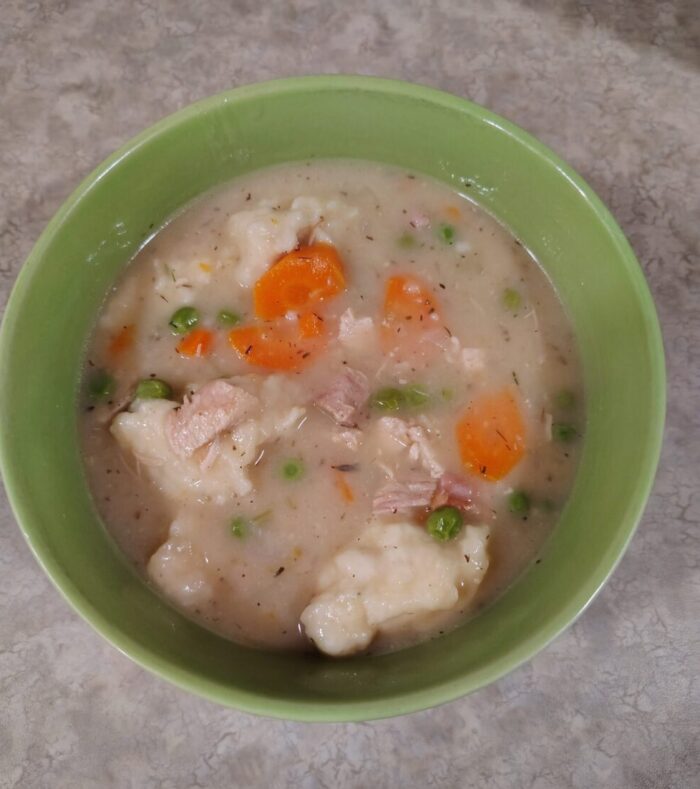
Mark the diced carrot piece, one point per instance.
(409, 308)
(275, 346)
(198, 342)
(206, 267)
(122, 341)
(298, 281)
(408, 298)
(345, 490)
(310, 325)
(491, 435)
(453, 212)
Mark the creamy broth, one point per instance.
(245, 548)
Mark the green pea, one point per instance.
(415, 395)
(101, 385)
(565, 399)
(293, 469)
(228, 318)
(444, 523)
(512, 300)
(239, 527)
(563, 432)
(519, 503)
(153, 389)
(407, 241)
(183, 320)
(446, 233)
(389, 399)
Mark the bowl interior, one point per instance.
(120, 205)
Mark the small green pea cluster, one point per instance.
(186, 318)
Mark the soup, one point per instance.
(331, 405)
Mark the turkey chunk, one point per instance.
(217, 472)
(216, 407)
(143, 431)
(345, 397)
(392, 573)
(396, 496)
(262, 234)
(395, 437)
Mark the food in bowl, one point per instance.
(332, 405)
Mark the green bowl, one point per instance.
(121, 204)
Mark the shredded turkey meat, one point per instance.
(397, 496)
(216, 407)
(345, 397)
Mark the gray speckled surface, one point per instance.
(614, 87)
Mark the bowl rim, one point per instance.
(320, 710)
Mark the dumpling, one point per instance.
(262, 234)
(393, 572)
(205, 456)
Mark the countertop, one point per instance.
(613, 87)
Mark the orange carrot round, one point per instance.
(491, 435)
(198, 342)
(275, 346)
(410, 308)
(299, 280)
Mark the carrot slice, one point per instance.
(409, 308)
(310, 325)
(298, 281)
(122, 341)
(345, 490)
(491, 435)
(408, 298)
(453, 212)
(275, 347)
(198, 342)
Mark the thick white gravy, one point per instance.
(253, 587)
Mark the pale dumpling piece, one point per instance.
(262, 234)
(394, 572)
(179, 569)
(217, 472)
(142, 431)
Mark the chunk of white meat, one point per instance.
(214, 473)
(215, 407)
(344, 397)
(403, 496)
(392, 574)
(262, 234)
(142, 431)
(455, 490)
(357, 335)
(179, 569)
(395, 436)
